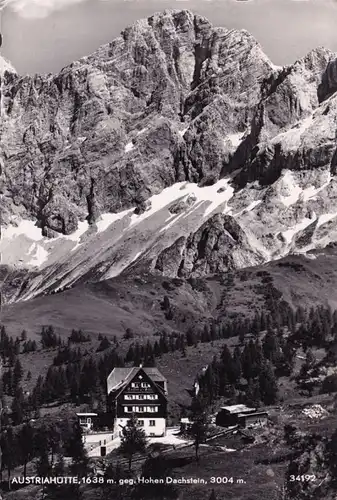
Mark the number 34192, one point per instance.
(303, 478)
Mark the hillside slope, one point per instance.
(128, 301)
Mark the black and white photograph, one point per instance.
(168, 249)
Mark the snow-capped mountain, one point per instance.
(178, 147)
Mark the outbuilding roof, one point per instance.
(253, 414)
(233, 409)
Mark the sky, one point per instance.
(42, 36)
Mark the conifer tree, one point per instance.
(74, 448)
(247, 362)
(104, 344)
(17, 407)
(253, 395)
(9, 452)
(133, 440)
(268, 384)
(17, 374)
(271, 348)
(26, 439)
(200, 424)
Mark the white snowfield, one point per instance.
(6, 66)
(14, 234)
(285, 210)
(295, 192)
(235, 139)
(129, 147)
(107, 220)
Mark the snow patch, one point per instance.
(250, 208)
(182, 132)
(326, 218)
(173, 193)
(40, 256)
(291, 139)
(310, 256)
(253, 205)
(129, 147)
(142, 131)
(173, 219)
(290, 233)
(217, 198)
(76, 236)
(138, 254)
(258, 246)
(6, 66)
(297, 193)
(107, 219)
(312, 191)
(235, 139)
(288, 182)
(26, 228)
(275, 67)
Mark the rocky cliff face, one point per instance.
(286, 131)
(108, 130)
(178, 146)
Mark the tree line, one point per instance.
(80, 377)
(47, 445)
(261, 362)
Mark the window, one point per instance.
(152, 423)
(145, 384)
(152, 409)
(141, 408)
(140, 396)
(141, 423)
(128, 409)
(85, 420)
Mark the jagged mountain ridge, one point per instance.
(129, 97)
(170, 103)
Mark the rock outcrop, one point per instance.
(286, 130)
(219, 245)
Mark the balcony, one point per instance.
(139, 390)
